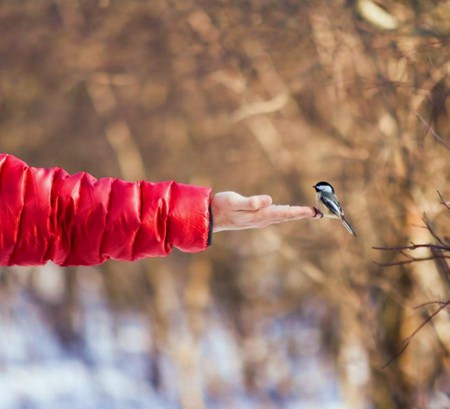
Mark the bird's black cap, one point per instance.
(323, 184)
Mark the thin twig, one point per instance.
(413, 246)
(408, 256)
(446, 204)
(441, 266)
(427, 222)
(429, 303)
(407, 341)
(433, 132)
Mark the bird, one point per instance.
(328, 201)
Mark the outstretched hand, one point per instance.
(232, 211)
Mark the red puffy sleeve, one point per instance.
(48, 214)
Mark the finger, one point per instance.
(251, 203)
(285, 212)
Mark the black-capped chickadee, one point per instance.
(328, 201)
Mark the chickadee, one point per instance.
(328, 200)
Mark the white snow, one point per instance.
(110, 367)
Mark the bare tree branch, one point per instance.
(439, 254)
(429, 128)
(430, 228)
(442, 306)
(413, 247)
(446, 204)
(441, 265)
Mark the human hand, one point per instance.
(232, 211)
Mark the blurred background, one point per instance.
(259, 97)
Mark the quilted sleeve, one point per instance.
(48, 214)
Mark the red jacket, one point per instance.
(48, 214)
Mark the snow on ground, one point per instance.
(111, 368)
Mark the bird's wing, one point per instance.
(334, 206)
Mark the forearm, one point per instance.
(48, 214)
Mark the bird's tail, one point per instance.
(346, 224)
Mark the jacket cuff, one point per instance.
(211, 225)
(189, 217)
